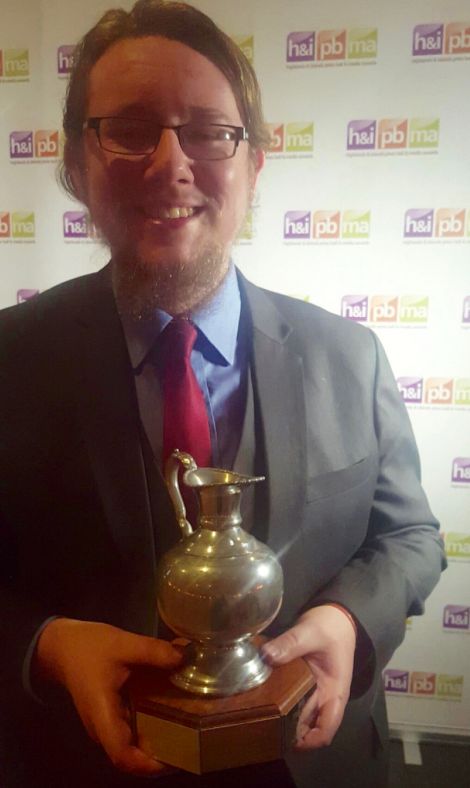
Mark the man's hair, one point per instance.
(175, 21)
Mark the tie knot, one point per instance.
(179, 337)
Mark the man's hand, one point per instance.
(93, 662)
(326, 638)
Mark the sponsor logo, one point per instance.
(300, 47)
(439, 392)
(457, 545)
(399, 135)
(355, 307)
(392, 134)
(320, 226)
(344, 225)
(34, 146)
(25, 294)
(462, 391)
(291, 139)
(386, 309)
(450, 687)
(355, 225)
(332, 47)
(14, 65)
(466, 310)
(77, 226)
(419, 223)
(456, 617)
(297, 225)
(65, 59)
(428, 40)
(17, 226)
(437, 224)
(326, 224)
(441, 41)
(247, 46)
(450, 224)
(423, 684)
(411, 389)
(461, 470)
(362, 135)
(396, 680)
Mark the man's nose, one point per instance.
(169, 160)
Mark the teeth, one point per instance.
(175, 213)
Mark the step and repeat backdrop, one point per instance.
(363, 208)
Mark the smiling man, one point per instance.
(164, 144)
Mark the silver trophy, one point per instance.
(219, 587)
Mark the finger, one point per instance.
(115, 736)
(326, 720)
(142, 650)
(296, 642)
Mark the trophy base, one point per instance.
(200, 734)
(221, 670)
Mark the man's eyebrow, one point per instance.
(194, 112)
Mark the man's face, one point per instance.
(134, 201)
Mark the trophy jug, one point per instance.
(219, 587)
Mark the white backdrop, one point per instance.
(363, 208)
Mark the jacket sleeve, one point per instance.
(401, 558)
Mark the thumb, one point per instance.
(154, 652)
(288, 646)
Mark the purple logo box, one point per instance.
(466, 310)
(362, 134)
(456, 617)
(419, 223)
(428, 40)
(461, 470)
(65, 58)
(25, 294)
(396, 680)
(297, 224)
(300, 47)
(355, 307)
(411, 389)
(21, 144)
(75, 224)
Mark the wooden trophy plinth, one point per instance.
(200, 734)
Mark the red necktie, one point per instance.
(185, 423)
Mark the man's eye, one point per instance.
(208, 134)
(128, 134)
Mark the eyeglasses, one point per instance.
(137, 137)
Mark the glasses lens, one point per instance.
(208, 141)
(125, 135)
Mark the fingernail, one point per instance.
(270, 652)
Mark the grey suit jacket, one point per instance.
(344, 507)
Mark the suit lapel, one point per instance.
(279, 399)
(108, 414)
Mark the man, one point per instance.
(166, 158)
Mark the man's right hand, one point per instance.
(93, 662)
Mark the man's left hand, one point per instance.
(326, 638)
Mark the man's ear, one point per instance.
(75, 168)
(257, 159)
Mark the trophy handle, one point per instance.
(172, 467)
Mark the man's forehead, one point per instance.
(163, 71)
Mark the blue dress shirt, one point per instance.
(219, 360)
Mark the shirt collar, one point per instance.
(217, 323)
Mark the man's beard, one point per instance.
(174, 286)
